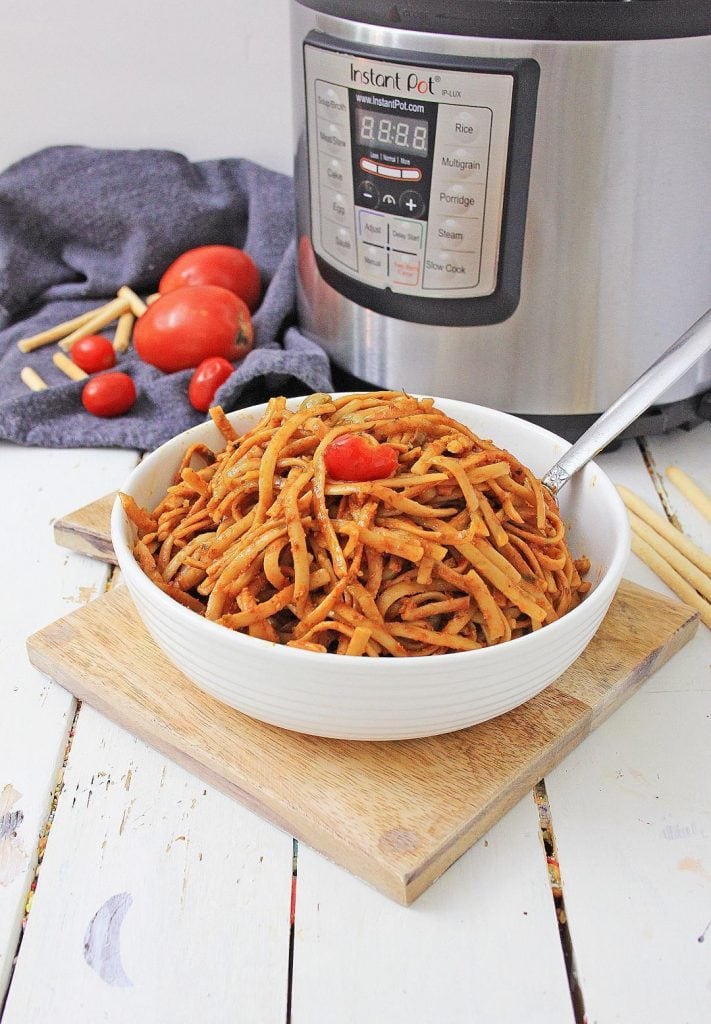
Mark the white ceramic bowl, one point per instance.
(384, 698)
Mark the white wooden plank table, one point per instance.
(157, 899)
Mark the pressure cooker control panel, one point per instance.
(408, 173)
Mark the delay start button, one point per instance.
(444, 271)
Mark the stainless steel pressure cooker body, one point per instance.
(505, 202)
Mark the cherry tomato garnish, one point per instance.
(189, 324)
(109, 394)
(223, 265)
(359, 457)
(205, 381)
(93, 353)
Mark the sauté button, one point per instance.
(411, 203)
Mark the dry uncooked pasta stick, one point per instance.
(68, 368)
(31, 379)
(138, 306)
(102, 318)
(457, 549)
(691, 490)
(671, 577)
(693, 575)
(670, 533)
(122, 337)
(58, 332)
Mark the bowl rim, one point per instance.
(601, 595)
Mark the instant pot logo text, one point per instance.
(410, 82)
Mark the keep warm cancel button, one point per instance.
(444, 270)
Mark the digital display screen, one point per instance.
(391, 132)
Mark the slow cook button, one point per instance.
(331, 103)
(372, 227)
(373, 261)
(404, 268)
(458, 200)
(331, 139)
(339, 242)
(460, 233)
(447, 270)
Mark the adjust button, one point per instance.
(411, 203)
(447, 270)
(373, 227)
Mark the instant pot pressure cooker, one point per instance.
(506, 201)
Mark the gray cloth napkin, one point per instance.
(77, 223)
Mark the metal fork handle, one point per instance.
(677, 359)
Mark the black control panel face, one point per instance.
(408, 169)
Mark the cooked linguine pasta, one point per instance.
(461, 548)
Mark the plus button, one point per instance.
(412, 204)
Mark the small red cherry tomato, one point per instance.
(223, 265)
(109, 394)
(189, 324)
(205, 381)
(93, 353)
(359, 457)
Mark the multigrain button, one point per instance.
(331, 103)
(460, 163)
(372, 227)
(404, 268)
(457, 200)
(446, 270)
(331, 139)
(460, 233)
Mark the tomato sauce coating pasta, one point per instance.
(461, 548)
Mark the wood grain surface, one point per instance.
(87, 531)
(397, 814)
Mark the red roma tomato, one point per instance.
(222, 265)
(205, 381)
(109, 394)
(359, 457)
(93, 353)
(186, 326)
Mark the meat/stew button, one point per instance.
(445, 270)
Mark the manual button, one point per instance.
(447, 270)
(373, 262)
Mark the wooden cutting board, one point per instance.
(398, 813)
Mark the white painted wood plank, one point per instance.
(631, 811)
(40, 583)
(158, 900)
(480, 945)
